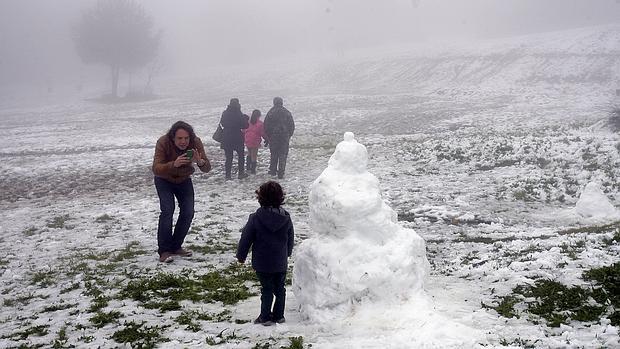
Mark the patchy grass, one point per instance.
(295, 343)
(165, 290)
(506, 305)
(188, 319)
(44, 278)
(61, 339)
(613, 240)
(560, 304)
(594, 229)
(101, 319)
(482, 239)
(59, 222)
(39, 331)
(222, 338)
(607, 288)
(129, 252)
(23, 300)
(213, 247)
(572, 249)
(98, 302)
(519, 342)
(138, 335)
(74, 286)
(58, 306)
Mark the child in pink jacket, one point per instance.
(253, 136)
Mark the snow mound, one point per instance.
(594, 204)
(363, 272)
(360, 254)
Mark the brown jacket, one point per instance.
(165, 154)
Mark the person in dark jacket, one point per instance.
(269, 233)
(279, 127)
(233, 121)
(172, 166)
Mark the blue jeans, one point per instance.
(272, 284)
(167, 240)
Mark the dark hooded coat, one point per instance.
(233, 121)
(269, 233)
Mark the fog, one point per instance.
(36, 45)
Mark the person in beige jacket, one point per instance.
(175, 154)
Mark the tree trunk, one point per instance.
(115, 72)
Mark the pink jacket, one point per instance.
(253, 135)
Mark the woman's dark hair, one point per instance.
(270, 194)
(184, 126)
(255, 116)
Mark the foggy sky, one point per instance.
(35, 38)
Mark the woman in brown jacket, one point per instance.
(172, 166)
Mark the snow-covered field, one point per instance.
(485, 162)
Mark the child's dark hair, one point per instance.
(255, 116)
(270, 194)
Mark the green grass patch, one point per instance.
(39, 331)
(74, 286)
(98, 302)
(59, 222)
(23, 300)
(29, 231)
(295, 343)
(594, 229)
(482, 239)
(101, 319)
(61, 339)
(559, 304)
(138, 335)
(189, 318)
(44, 278)
(506, 305)
(162, 289)
(58, 306)
(613, 240)
(572, 249)
(95, 256)
(607, 288)
(129, 252)
(214, 247)
(222, 338)
(519, 342)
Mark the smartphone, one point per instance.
(189, 154)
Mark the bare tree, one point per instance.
(119, 34)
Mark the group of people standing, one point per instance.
(269, 232)
(238, 130)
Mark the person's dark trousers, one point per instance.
(279, 152)
(272, 284)
(167, 240)
(229, 160)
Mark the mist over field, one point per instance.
(37, 48)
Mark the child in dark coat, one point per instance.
(269, 233)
